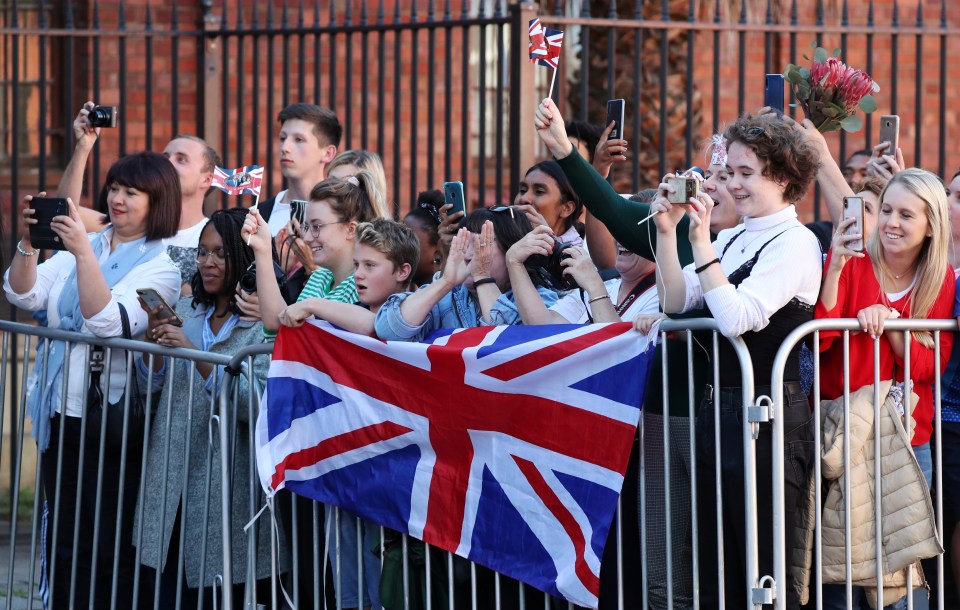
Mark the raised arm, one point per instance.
(416, 307)
(71, 183)
(256, 232)
(620, 216)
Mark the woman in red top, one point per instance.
(903, 272)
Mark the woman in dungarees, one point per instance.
(759, 281)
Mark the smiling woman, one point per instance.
(91, 288)
(738, 280)
(904, 273)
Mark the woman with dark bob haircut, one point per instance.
(759, 281)
(474, 289)
(212, 323)
(145, 172)
(91, 288)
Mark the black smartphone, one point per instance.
(615, 110)
(44, 210)
(773, 92)
(890, 132)
(453, 194)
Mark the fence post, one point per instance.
(212, 73)
(523, 94)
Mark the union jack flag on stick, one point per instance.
(538, 44)
(245, 180)
(545, 45)
(504, 444)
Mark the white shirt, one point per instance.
(159, 273)
(187, 238)
(280, 215)
(576, 311)
(790, 266)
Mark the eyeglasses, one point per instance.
(315, 228)
(218, 254)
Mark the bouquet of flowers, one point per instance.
(830, 92)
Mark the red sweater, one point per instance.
(858, 290)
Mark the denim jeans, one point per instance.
(798, 459)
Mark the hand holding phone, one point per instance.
(853, 208)
(453, 194)
(152, 299)
(44, 211)
(615, 112)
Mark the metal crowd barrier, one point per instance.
(811, 330)
(303, 565)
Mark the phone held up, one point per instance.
(153, 299)
(453, 194)
(890, 132)
(773, 92)
(615, 111)
(44, 210)
(853, 208)
(298, 210)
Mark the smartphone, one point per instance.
(153, 300)
(615, 109)
(890, 132)
(453, 194)
(44, 210)
(773, 92)
(298, 210)
(853, 208)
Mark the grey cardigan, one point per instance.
(180, 460)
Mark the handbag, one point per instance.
(98, 407)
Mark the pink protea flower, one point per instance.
(854, 87)
(829, 74)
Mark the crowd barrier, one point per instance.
(295, 544)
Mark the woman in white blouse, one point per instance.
(82, 289)
(759, 281)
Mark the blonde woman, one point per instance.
(903, 272)
(349, 162)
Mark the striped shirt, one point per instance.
(320, 286)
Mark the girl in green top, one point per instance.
(336, 209)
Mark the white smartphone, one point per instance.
(153, 300)
(853, 208)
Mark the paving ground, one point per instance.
(18, 596)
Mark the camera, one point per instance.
(248, 280)
(550, 269)
(103, 116)
(685, 188)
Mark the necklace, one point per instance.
(743, 248)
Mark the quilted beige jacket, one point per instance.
(909, 527)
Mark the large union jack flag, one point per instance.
(506, 445)
(241, 181)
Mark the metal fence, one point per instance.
(315, 553)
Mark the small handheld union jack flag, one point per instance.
(554, 40)
(241, 181)
(538, 44)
